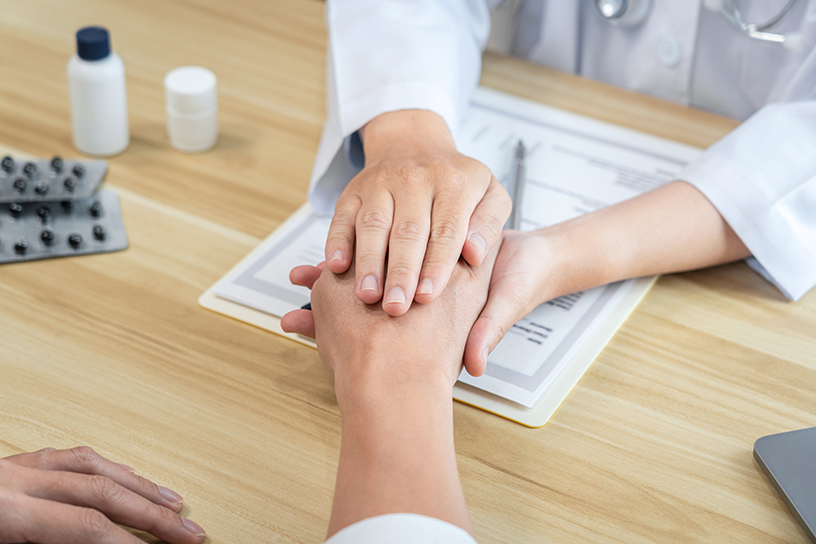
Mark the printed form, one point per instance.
(574, 165)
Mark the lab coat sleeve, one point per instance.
(762, 179)
(390, 56)
(402, 529)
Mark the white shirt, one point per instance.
(426, 54)
(402, 529)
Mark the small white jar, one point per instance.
(192, 108)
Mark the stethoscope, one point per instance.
(633, 12)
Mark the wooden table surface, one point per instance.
(112, 351)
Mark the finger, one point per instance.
(406, 248)
(373, 230)
(340, 242)
(299, 322)
(111, 499)
(486, 223)
(448, 227)
(85, 460)
(506, 304)
(305, 275)
(28, 519)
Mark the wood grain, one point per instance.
(654, 445)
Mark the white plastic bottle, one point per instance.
(96, 82)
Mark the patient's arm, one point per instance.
(393, 380)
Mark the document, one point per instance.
(574, 165)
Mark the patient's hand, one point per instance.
(356, 340)
(77, 496)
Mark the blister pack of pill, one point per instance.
(41, 230)
(43, 180)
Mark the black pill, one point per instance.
(44, 213)
(47, 237)
(20, 247)
(75, 240)
(30, 169)
(15, 209)
(99, 232)
(70, 184)
(19, 185)
(79, 170)
(95, 209)
(41, 188)
(56, 163)
(7, 164)
(67, 205)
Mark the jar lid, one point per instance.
(190, 89)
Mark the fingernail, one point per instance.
(425, 287)
(477, 240)
(369, 284)
(124, 466)
(193, 527)
(395, 296)
(336, 256)
(485, 353)
(170, 495)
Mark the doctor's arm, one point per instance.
(752, 194)
(671, 229)
(400, 76)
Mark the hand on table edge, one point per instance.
(78, 496)
(420, 200)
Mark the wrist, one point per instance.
(406, 132)
(576, 258)
(386, 379)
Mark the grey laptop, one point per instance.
(789, 461)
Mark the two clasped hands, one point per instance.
(395, 339)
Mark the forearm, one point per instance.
(397, 453)
(671, 229)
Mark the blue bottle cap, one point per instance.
(93, 43)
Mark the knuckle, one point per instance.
(400, 272)
(491, 226)
(343, 220)
(409, 229)
(94, 524)
(369, 260)
(445, 231)
(105, 490)
(86, 456)
(409, 174)
(375, 219)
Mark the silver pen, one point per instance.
(518, 189)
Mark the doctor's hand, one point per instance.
(77, 496)
(524, 276)
(421, 203)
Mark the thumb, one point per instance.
(506, 304)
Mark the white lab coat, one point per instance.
(425, 54)
(387, 55)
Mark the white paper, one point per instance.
(574, 165)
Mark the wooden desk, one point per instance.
(654, 445)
